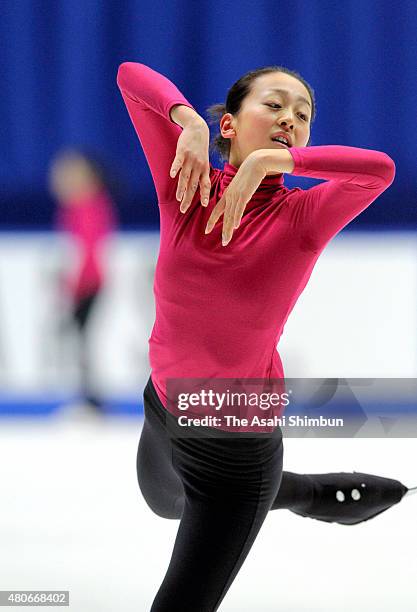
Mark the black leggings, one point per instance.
(221, 488)
(81, 315)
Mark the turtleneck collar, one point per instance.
(268, 186)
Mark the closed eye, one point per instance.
(302, 115)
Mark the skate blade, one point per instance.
(411, 491)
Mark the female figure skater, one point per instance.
(220, 311)
(86, 212)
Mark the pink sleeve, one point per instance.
(149, 97)
(355, 178)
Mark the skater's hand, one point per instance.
(236, 196)
(192, 160)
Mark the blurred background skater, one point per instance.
(82, 186)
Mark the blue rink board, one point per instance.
(14, 406)
(41, 406)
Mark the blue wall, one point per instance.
(59, 63)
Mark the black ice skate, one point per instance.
(351, 498)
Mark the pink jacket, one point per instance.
(220, 311)
(89, 223)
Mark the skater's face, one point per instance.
(71, 179)
(266, 111)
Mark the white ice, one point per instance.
(72, 518)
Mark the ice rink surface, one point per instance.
(72, 518)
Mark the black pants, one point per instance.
(81, 315)
(221, 488)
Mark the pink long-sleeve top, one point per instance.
(89, 221)
(220, 311)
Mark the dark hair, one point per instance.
(105, 173)
(235, 96)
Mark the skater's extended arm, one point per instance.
(354, 179)
(157, 110)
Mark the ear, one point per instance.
(227, 129)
